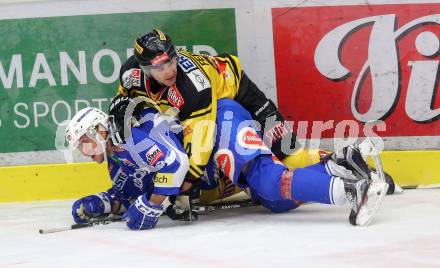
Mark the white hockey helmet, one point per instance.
(84, 122)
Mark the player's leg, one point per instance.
(273, 181)
(239, 148)
(237, 141)
(325, 182)
(238, 144)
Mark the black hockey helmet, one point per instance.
(154, 49)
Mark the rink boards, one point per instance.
(68, 181)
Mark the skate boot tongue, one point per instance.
(351, 158)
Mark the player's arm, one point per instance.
(166, 156)
(103, 203)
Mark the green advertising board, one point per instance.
(52, 67)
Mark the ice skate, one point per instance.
(365, 194)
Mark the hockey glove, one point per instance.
(118, 120)
(142, 214)
(92, 206)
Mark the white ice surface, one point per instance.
(405, 233)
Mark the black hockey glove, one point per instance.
(192, 200)
(119, 121)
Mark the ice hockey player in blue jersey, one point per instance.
(148, 168)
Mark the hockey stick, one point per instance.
(99, 221)
(201, 210)
(185, 215)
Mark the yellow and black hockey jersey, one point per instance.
(201, 81)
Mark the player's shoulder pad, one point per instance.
(130, 74)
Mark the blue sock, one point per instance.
(311, 185)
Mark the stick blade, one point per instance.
(54, 230)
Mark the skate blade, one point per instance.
(376, 193)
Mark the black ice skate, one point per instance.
(364, 196)
(356, 191)
(365, 192)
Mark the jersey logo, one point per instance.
(153, 155)
(199, 80)
(163, 179)
(131, 78)
(248, 138)
(119, 179)
(277, 132)
(174, 97)
(186, 64)
(138, 182)
(194, 74)
(224, 161)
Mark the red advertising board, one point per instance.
(357, 64)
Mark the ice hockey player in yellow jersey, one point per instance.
(188, 85)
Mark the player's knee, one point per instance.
(274, 206)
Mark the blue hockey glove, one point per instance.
(142, 214)
(91, 206)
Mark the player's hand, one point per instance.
(186, 186)
(92, 206)
(118, 120)
(142, 214)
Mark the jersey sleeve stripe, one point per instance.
(122, 91)
(197, 169)
(194, 172)
(232, 63)
(197, 115)
(140, 92)
(202, 111)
